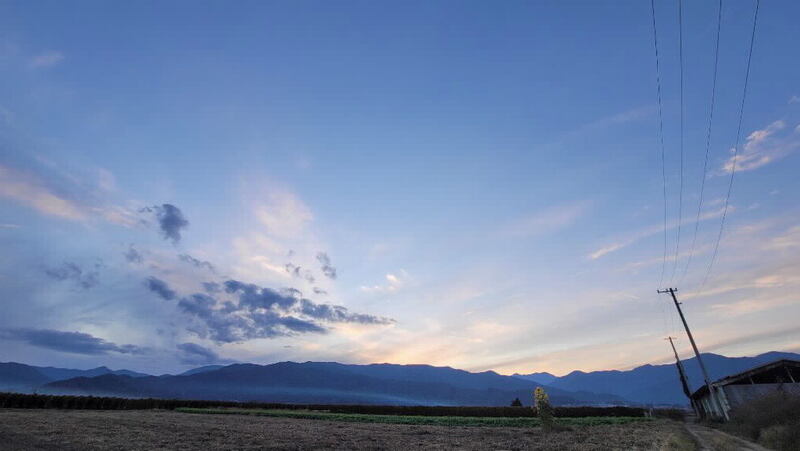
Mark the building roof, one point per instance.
(738, 377)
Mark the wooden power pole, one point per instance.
(711, 392)
(682, 373)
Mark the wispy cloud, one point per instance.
(29, 190)
(762, 147)
(325, 265)
(394, 282)
(197, 263)
(633, 237)
(283, 214)
(132, 255)
(62, 195)
(46, 59)
(72, 271)
(547, 220)
(609, 121)
(299, 272)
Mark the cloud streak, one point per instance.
(46, 59)
(635, 236)
(160, 288)
(61, 195)
(547, 220)
(71, 271)
(30, 191)
(70, 342)
(197, 263)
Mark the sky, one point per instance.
(455, 183)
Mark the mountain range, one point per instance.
(18, 377)
(336, 383)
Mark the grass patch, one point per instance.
(680, 440)
(414, 419)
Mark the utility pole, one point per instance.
(682, 373)
(711, 392)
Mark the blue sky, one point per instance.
(484, 178)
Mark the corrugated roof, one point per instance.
(747, 373)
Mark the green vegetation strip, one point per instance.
(414, 419)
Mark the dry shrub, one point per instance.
(772, 420)
(543, 408)
(781, 438)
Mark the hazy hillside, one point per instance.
(57, 374)
(201, 369)
(315, 382)
(27, 378)
(21, 378)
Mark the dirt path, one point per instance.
(716, 440)
(23, 430)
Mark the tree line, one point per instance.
(37, 401)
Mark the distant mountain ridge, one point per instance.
(660, 384)
(201, 369)
(337, 383)
(543, 378)
(20, 377)
(329, 382)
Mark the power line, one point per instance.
(736, 148)
(661, 136)
(680, 190)
(708, 142)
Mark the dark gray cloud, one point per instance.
(197, 263)
(299, 272)
(72, 271)
(338, 314)
(320, 291)
(132, 255)
(194, 354)
(325, 265)
(170, 220)
(252, 296)
(72, 342)
(292, 323)
(225, 325)
(212, 287)
(261, 312)
(160, 288)
(198, 304)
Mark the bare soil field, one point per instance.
(29, 429)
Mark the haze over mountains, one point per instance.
(328, 382)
